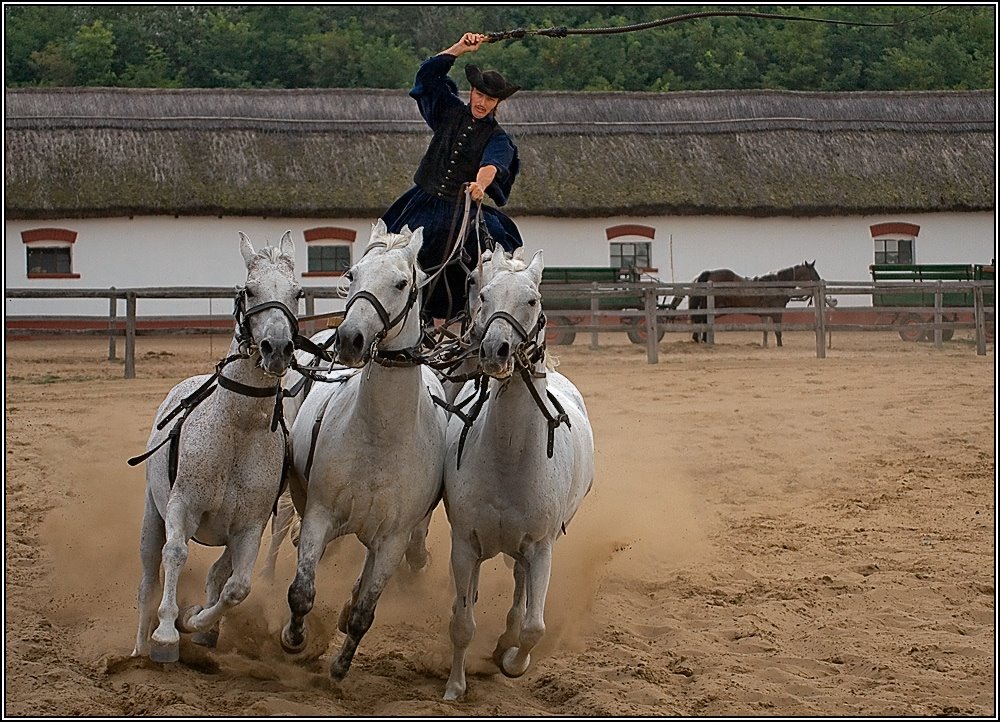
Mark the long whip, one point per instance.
(561, 32)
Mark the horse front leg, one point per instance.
(151, 541)
(217, 576)
(515, 660)
(515, 616)
(383, 558)
(314, 535)
(242, 549)
(777, 333)
(181, 524)
(465, 565)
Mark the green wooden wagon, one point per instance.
(924, 277)
(564, 309)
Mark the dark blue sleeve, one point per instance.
(433, 90)
(502, 153)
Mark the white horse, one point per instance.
(517, 475)
(368, 453)
(218, 478)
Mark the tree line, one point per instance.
(379, 46)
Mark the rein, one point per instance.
(562, 32)
(248, 348)
(528, 352)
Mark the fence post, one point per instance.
(652, 346)
(594, 306)
(819, 299)
(710, 314)
(112, 315)
(310, 310)
(130, 335)
(977, 294)
(938, 303)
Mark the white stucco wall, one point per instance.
(194, 251)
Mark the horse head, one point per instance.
(806, 271)
(383, 300)
(509, 317)
(267, 302)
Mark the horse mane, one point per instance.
(271, 253)
(390, 241)
(512, 263)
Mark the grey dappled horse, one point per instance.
(217, 482)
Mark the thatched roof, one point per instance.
(90, 152)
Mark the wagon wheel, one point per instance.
(912, 334)
(559, 336)
(637, 332)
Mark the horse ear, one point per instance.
(287, 246)
(536, 266)
(246, 248)
(416, 241)
(379, 229)
(496, 263)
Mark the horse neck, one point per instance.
(385, 391)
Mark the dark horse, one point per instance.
(805, 271)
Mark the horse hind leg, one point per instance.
(417, 555)
(385, 558)
(465, 565)
(515, 660)
(281, 523)
(151, 541)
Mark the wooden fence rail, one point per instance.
(646, 308)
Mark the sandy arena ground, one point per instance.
(769, 534)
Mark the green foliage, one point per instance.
(380, 46)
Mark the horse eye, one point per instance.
(482, 297)
(401, 285)
(349, 276)
(533, 302)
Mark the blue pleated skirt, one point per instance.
(418, 209)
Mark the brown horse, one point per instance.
(805, 271)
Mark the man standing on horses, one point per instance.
(469, 148)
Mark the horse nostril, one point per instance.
(265, 347)
(357, 342)
(503, 351)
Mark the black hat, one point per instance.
(490, 82)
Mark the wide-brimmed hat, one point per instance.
(490, 82)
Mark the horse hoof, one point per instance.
(164, 653)
(288, 645)
(206, 639)
(507, 664)
(184, 619)
(338, 670)
(453, 692)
